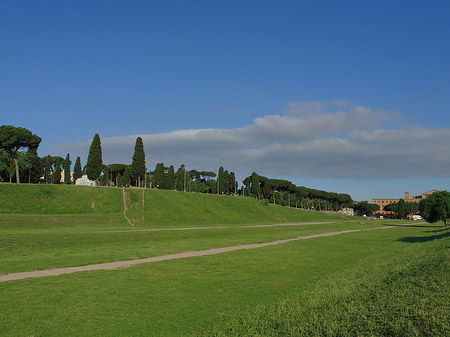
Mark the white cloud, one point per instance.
(309, 139)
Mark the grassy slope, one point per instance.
(160, 208)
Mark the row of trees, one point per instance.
(48, 169)
(284, 192)
(19, 159)
(401, 209)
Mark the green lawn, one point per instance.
(381, 282)
(387, 282)
(25, 252)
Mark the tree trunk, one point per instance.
(17, 170)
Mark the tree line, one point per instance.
(19, 160)
(19, 146)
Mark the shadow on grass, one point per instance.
(414, 226)
(439, 230)
(413, 239)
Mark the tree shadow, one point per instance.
(414, 226)
(412, 239)
(439, 230)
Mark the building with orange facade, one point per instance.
(407, 198)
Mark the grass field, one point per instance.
(392, 281)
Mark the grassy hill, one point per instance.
(148, 207)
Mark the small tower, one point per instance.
(406, 195)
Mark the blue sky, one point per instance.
(346, 96)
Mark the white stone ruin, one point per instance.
(84, 181)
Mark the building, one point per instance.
(347, 211)
(407, 198)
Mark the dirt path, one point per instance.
(125, 208)
(123, 264)
(213, 227)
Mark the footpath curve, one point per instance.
(129, 263)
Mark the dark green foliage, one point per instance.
(35, 167)
(138, 165)
(77, 172)
(231, 183)
(246, 187)
(401, 209)
(67, 163)
(57, 173)
(117, 170)
(126, 177)
(159, 176)
(226, 177)
(409, 207)
(47, 168)
(255, 188)
(285, 193)
(170, 178)
(106, 175)
(391, 207)
(221, 181)
(6, 166)
(179, 182)
(94, 164)
(436, 207)
(12, 139)
(364, 208)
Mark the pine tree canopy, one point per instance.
(12, 139)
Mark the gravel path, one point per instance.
(213, 227)
(122, 264)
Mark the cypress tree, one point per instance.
(77, 172)
(226, 186)
(106, 177)
(48, 168)
(255, 184)
(232, 183)
(221, 181)
(94, 164)
(67, 164)
(159, 176)
(179, 182)
(138, 164)
(401, 209)
(36, 167)
(170, 183)
(57, 174)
